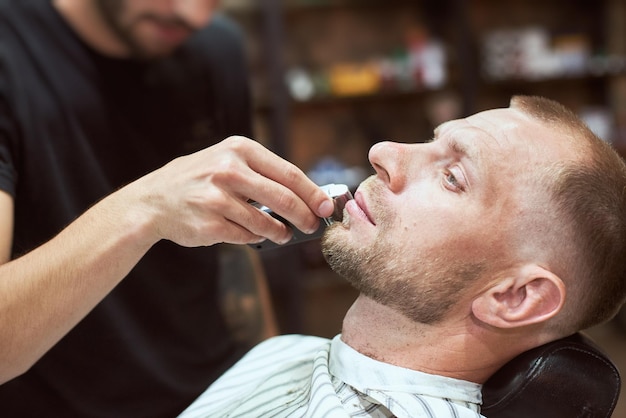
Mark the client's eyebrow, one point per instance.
(460, 147)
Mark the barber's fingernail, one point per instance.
(313, 229)
(284, 239)
(326, 208)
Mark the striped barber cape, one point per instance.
(303, 376)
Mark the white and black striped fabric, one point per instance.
(303, 376)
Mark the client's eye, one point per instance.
(454, 180)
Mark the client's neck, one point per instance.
(445, 348)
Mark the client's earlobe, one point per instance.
(531, 296)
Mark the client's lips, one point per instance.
(362, 205)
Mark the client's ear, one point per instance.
(530, 295)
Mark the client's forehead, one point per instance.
(493, 131)
(509, 130)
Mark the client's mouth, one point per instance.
(362, 205)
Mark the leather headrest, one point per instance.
(571, 377)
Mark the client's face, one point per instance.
(439, 216)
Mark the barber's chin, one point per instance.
(155, 53)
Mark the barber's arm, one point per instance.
(6, 226)
(197, 200)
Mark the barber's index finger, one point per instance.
(270, 165)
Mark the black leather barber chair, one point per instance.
(567, 378)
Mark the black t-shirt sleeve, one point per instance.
(8, 125)
(8, 135)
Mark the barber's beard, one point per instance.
(112, 12)
(421, 286)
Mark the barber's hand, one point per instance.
(202, 199)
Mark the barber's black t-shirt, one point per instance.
(74, 127)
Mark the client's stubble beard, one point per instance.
(414, 281)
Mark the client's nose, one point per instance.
(388, 159)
